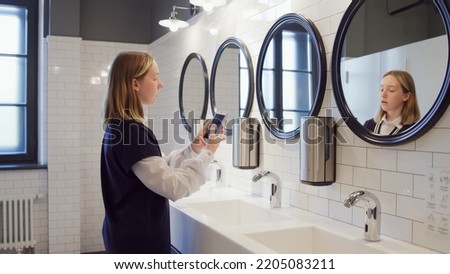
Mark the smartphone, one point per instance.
(216, 120)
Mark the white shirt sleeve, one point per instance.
(175, 158)
(176, 176)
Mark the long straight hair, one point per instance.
(121, 101)
(410, 110)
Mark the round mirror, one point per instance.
(290, 75)
(232, 81)
(194, 90)
(383, 41)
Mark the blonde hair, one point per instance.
(121, 100)
(410, 110)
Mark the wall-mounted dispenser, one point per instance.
(246, 139)
(317, 151)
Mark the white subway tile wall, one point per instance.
(77, 79)
(63, 135)
(70, 221)
(394, 174)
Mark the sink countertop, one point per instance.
(294, 218)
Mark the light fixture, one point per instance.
(173, 23)
(208, 5)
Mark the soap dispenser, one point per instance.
(246, 139)
(317, 150)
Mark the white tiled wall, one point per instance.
(75, 132)
(68, 219)
(63, 144)
(96, 57)
(394, 174)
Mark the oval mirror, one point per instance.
(391, 37)
(193, 91)
(232, 80)
(290, 75)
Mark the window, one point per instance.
(18, 81)
(289, 77)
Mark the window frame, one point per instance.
(276, 53)
(30, 156)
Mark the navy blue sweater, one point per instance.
(136, 219)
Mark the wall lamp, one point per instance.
(173, 23)
(208, 5)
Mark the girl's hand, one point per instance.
(214, 139)
(212, 143)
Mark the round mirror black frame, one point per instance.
(239, 44)
(318, 47)
(197, 57)
(428, 120)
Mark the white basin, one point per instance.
(226, 223)
(310, 240)
(330, 238)
(193, 236)
(236, 212)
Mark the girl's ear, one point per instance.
(135, 84)
(406, 96)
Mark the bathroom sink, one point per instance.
(310, 240)
(247, 225)
(236, 212)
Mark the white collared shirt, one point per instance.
(388, 128)
(178, 175)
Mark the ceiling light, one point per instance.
(213, 31)
(173, 23)
(208, 5)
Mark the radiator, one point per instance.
(16, 223)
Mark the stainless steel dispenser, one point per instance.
(246, 139)
(317, 150)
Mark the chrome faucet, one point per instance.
(275, 194)
(372, 226)
(220, 182)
